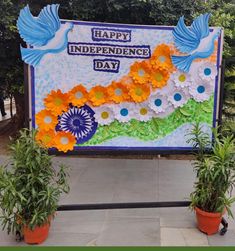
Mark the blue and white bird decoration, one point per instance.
(196, 40)
(43, 33)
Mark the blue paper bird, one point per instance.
(44, 33)
(197, 40)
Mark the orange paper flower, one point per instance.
(159, 77)
(46, 120)
(64, 141)
(46, 138)
(56, 102)
(126, 80)
(162, 57)
(118, 92)
(78, 95)
(98, 95)
(140, 72)
(139, 92)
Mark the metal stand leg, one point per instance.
(99, 206)
(159, 204)
(19, 236)
(225, 226)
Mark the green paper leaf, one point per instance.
(206, 109)
(185, 112)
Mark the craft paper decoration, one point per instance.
(97, 86)
(124, 112)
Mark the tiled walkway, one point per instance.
(120, 180)
(7, 110)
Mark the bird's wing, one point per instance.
(185, 39)
(49, 16)
(37, 31)
(200, 26)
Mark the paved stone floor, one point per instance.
(122, 180)
(7, 110)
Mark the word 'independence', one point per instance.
(109, 50)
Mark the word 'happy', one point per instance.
(118, 35)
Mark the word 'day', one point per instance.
(107, 65)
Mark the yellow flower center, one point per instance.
(64, 140)
(182, 78)
(138, 91)
(99, 95)
(143, 111)
(141, 72)
(104, 115)
(162, 59)
(78, 95)
(158, 77)
(46, 138)
(118, 92)
(58, 101)
(47, 120)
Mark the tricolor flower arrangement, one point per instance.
(153, 88)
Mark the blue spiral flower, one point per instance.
(80, 122)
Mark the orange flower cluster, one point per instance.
(134, 87)
(56, 102)
(155, 71)
(63, 141)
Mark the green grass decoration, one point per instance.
(156, 128)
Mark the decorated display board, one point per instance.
(106, 86)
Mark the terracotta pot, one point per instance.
(37, 235)
(207, 222)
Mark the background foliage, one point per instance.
(159, 12)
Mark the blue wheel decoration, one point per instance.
(80, 122)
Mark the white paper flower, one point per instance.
(201, 90)
(158, 103)
(178, 97)
(167, 112)
(207, 71)
(143, 112)
(124, 112)
(165, 90)
(104, 115)
(181, 79)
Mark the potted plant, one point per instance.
(215, 174)
(30, 189)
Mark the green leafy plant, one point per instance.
(30, 189)
(215, 171)
(228, 115)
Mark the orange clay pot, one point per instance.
(207, 222)
(37, 235)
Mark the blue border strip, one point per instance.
(217, 81)
(89, 148)
(32, 73)
(124, 148)
(130, 148)
(130, 26)
(109, 39)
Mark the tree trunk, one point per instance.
(11, 108)
(19, 118)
